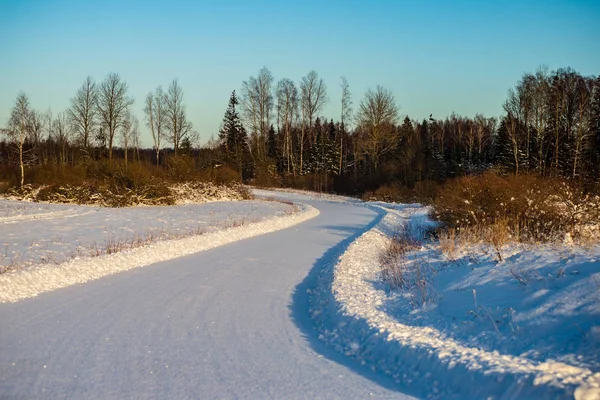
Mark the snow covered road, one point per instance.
(231, 322)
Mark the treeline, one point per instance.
(274, 133)
(550, 126)
(98, 123)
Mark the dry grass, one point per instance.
(402, 269)
(114, 245)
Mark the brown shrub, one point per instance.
(223, 174)
(391, 193)
(181, 168)
(266, 175)
(403, 270)
(393, 261)
(422, 192)
(525, 207)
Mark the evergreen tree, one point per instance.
(185, 147)
(407, 152)
(271, 143)
(234, 139)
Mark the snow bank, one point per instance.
(19, 285)
(349, 309)
(34, 234)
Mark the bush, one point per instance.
(266, 175)
(391, 193)
(181, 168)
(220, 175)
(403, 270)
(532, 208)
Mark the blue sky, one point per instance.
(436, 56)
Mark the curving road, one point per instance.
(227, 323)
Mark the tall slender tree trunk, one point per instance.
(301, 148)
(341, 154)
(21, 165)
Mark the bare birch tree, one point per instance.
(18, 129)
(539, 115)
(62, 134)
(346, 115)
(129, 130)
(346, 118)
(513, 123)
(313, 93)
(84, 111)
(257, 105)
(176, 121)
(156, 118)
(287, 106)
(377, 116)
(113, 106)
(582, 121)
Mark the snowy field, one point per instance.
(201, 227)
(526, 327)
(34, 234)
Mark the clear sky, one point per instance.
(436, 56)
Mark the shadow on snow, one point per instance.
(300, 304)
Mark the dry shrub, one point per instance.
(403, 270)
(181, 168)
(4, 186)
(301, 182)
(498, 234)
(426, 191)
(116, 184)
(244, 192)
(391, 193)
(266, 175)
(448, 239)
(423, 191)
(522, 208)
(199, 192)
(223, 174)
(455, 242)
(56, 174)
(104, 195)
(393, 262)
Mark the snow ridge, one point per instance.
(30, 283)
(347, 307)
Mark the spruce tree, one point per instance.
(271, 143)
(234, 139)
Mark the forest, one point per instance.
(274, 134)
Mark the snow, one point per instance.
(480, 325)
(50, 234)
(301, 313)
(33, 234)
(229, 322)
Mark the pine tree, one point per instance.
(271, 143)
(234, 139)
(185, 147)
